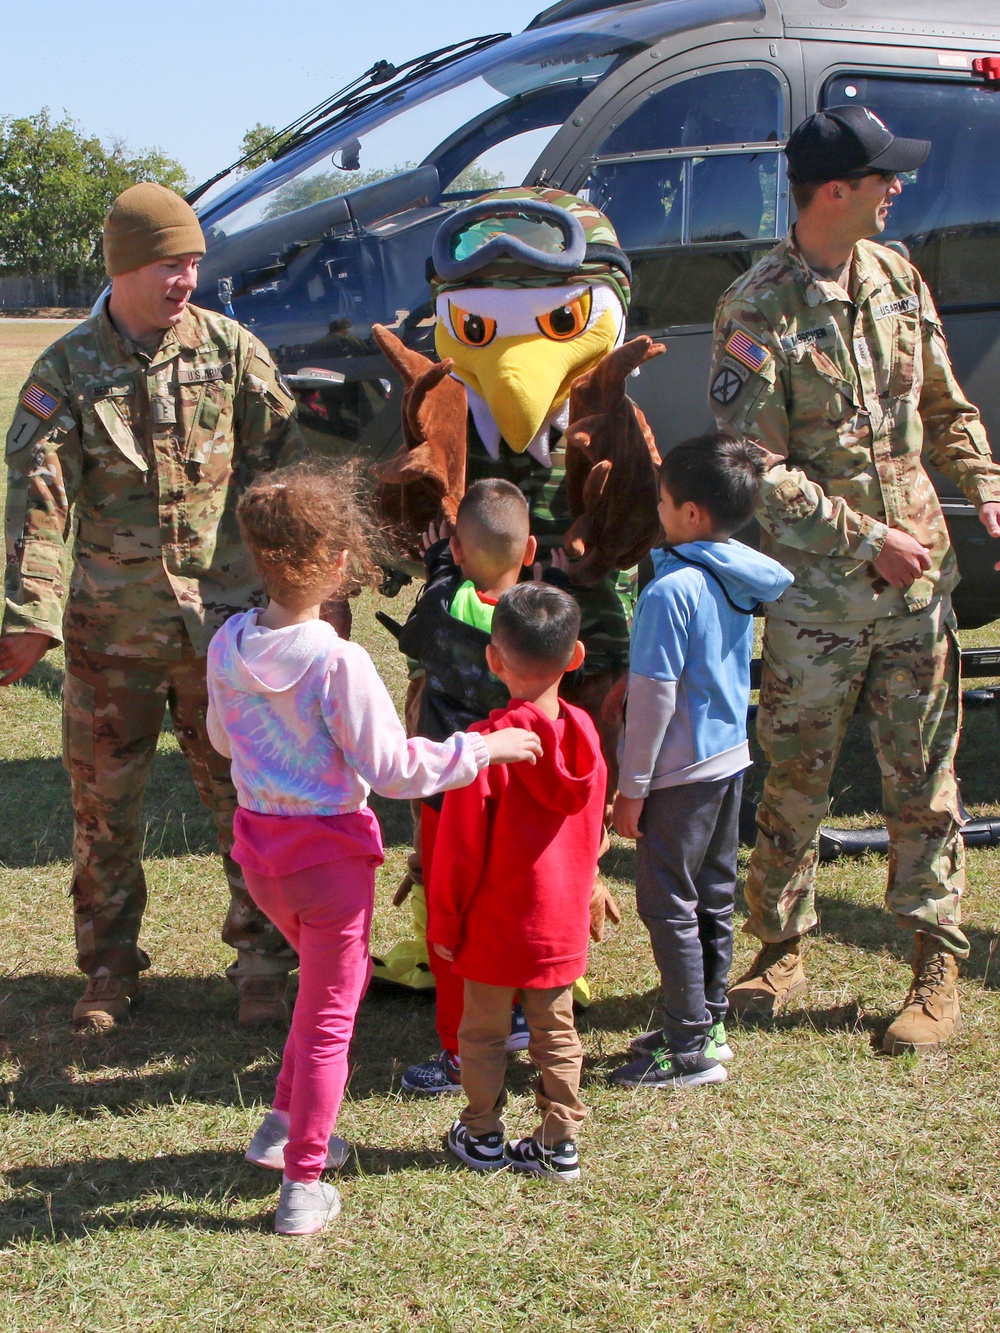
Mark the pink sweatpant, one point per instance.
(325, 913)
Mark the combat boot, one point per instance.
(931, 1012)
(775, 977)
(262, 1001)
(106, 1000)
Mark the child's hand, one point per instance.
(626, 815)
(436, 532)
(447, 954)
(560, 561)
(513, 745)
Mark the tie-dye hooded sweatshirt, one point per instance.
(310, 727)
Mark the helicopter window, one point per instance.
(728, 106)
(948, 215)
(410, 124)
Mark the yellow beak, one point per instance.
(524, 378)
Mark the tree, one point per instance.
(304, 189)
(253, 146)
(56, 185)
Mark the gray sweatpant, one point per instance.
(684, 889)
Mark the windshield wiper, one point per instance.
(375, 83)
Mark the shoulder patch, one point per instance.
(747, 350)
(729, 380)
(23, 430)
(39, 401)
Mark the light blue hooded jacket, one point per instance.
(689, 668)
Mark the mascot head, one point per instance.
(531, 290)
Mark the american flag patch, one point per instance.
(750, 353)
(36, 400)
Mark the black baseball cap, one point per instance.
(833, 144)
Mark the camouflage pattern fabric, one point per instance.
(149, 454)
(604, 627)
(850, 392)
(153, 452)
(597, 229)
(903, 671)
(113, 709)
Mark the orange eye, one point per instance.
(566, 321)
(473, 330)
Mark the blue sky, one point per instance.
(191, 76)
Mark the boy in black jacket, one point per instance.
(446, 636)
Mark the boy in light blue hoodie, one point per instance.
(684, 748)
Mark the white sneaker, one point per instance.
(305, 1209)
(267, 1147)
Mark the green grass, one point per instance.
(822, 1188)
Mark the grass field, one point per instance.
(823, 1188)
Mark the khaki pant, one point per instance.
(903, 672)
(113, 709)
(554, 1048)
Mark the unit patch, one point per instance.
(746, 350)
(903, 306)
(36, 400)
(729, 380)
(807, 338)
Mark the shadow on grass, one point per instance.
(77, 1198)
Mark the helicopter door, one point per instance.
(690, 171)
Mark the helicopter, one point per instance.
(670, 116)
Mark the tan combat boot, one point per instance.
(106, 1001)
(931, 1012)
(775, 977)
(262, 1001)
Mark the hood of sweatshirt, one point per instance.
(270, 661)
(566, 775)
(747, 575)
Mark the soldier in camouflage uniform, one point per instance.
(145, 422)
(830, 354)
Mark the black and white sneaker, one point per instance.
(519, 1034)
(483, 1152)
(560, 1162)
(434, 1077)
(663, 1070)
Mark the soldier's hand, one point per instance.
(902, 559)
(989, 516)
(20, 652)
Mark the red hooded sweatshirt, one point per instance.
(516, 854)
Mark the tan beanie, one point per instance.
(148, 222)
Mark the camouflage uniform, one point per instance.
(149, 453)
(850, 391)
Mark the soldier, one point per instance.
(830, 353)
(150, 418)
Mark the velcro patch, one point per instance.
(807, 338)
(904, 306)
(729, 380)
(747, 350)
(205, 374)
(23, 430)
(38, 400)
(99, 391)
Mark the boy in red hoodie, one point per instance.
(509, 903)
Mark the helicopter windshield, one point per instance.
(481, 121)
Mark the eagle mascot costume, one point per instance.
(531, 291)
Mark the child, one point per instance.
(510, 890)
(447, 634)
(684, 748)
(310, 730)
